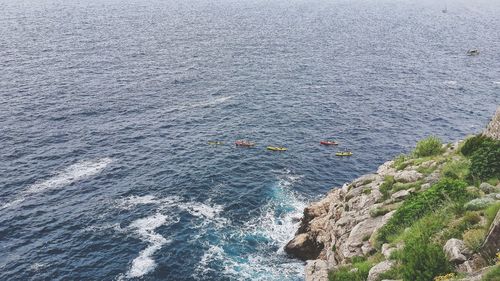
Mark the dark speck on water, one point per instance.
(106, 108)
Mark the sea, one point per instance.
(106, 108)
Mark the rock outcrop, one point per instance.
(493, 128)
(491, 244)
(340, 228)
(456, 251)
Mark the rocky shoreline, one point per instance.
(343, 225)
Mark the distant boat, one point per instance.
(244, 143)
(473, 52)
(326, 142)
(277, 148)
(215, 143)
(343, 153)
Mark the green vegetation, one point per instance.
(459, 206)
(386, 186)
(491, 212)
(421, 204)
(493, 274)
(428, 147)
(484, 155)
(457, 169)
(474, 238)
(358, 271)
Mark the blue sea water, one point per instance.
(106, 108)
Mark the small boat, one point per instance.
(244, 143)
(473, 52)
(328, 143)
(277, 148)
(215, 143)
(343, 153)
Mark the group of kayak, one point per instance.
(246, 143)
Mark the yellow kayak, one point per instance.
(215, 143)
(276, 148)
(344, 153)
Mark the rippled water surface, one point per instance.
(106, 108)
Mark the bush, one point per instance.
(421, 258)
(474, 238)
(401, 162)
(478, 204)
(472, 144)
(346, 273)
(491, 212)
(457, 169)
(428, 147)
(458, 227)
(484, 154)
(421, 204)
(386, 186)
(485, 162)
(493, 274)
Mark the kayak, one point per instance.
(344, 153)
(328, 143)
(276, 148)
(215, 143)
(244, 143)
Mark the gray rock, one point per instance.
(304, 247)
(316, 270)
(400, 195)
(425, 186)
(386, 169)
(478, 203)
(455, 250)
(433, 178)
(488, 188)
(408, 176)
(473, 264)
(378, 269)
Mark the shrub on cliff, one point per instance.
(421, 258)
(457, 169)
(357, 272)
(484, 155)
(485, 162)
(423, 203)
(428, 147)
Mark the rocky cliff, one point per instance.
(342, 227)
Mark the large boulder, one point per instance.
(488, 188)
(378, 269)
(304, 247)
(408, 176)
(493, 128)
(456, 251)
(316, 270)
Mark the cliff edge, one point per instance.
(431, 214)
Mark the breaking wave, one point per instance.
(76, 172)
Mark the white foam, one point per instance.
(211, 102)
(145, 227)
(202, 210)
(76, 172)
(276, 224)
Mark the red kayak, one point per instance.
(244, 143)
(328, 143)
